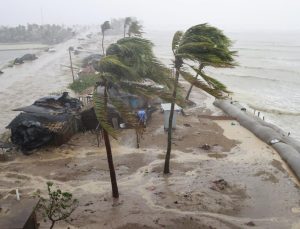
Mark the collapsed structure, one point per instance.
(55, 119)
(52, 119)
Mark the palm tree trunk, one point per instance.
(103, 44)
(114, 185)
(190, 89)
(112, 172)
(137, 139)
(52, 224)
(169, 147)
(124, 31)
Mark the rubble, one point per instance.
(50, 119)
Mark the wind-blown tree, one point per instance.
(213, 35)
(204, 45)
(128, 63)
(127, 22)
(135, 29)
(104, 27)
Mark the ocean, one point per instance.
(267, 78)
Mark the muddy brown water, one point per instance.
(258, 187)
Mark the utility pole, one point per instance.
(71, 64)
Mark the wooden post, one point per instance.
(71, 65)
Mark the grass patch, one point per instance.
(84, 82)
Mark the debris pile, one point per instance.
(50, 119)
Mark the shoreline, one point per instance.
(253, 172)
(287, 147)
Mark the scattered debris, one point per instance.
(250, 224)
(187, 125)
(26, 57)
(274, 141)
(206, 147)
(50, 119)
(51, 50)
(219, 185)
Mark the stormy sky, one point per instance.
(158, 14)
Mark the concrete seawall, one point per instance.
(287, 147)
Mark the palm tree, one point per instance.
(104, 27)
(127, 64)
(127, 22)
(202, 44)
(135, 29)
(223, 43)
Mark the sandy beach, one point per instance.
(239, 182)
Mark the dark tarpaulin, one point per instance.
(50, 119)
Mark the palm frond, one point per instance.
(211, 81)
(102, 114)
(111, 64)
(200, 84)
(176, 40)
(126, 114)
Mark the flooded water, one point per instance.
(23, 84)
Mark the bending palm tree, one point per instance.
(135, 29)
(202, 44)
(104, 27)
(211, 34)
(128, 63)
(127, 22)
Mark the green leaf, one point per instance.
(102, 114)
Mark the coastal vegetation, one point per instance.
(104, 27)
(223, 59)
(127, 22)
(135, 29)
(204, 45)
(127, 64)
(33, 33)
(58, 206)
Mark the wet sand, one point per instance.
(257, 187)
(238, 183)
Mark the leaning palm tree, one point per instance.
(211, 34)
(135, 29)
(202, 44)
(128, 63)
(127, 22)
(104, 27)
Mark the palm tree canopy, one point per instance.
(128, 63)
(105, 26)
(207, 46)
(127, 21)
(137, 54)
(135, 29)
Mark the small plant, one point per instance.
(59, 206)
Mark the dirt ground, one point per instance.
(239, 182)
